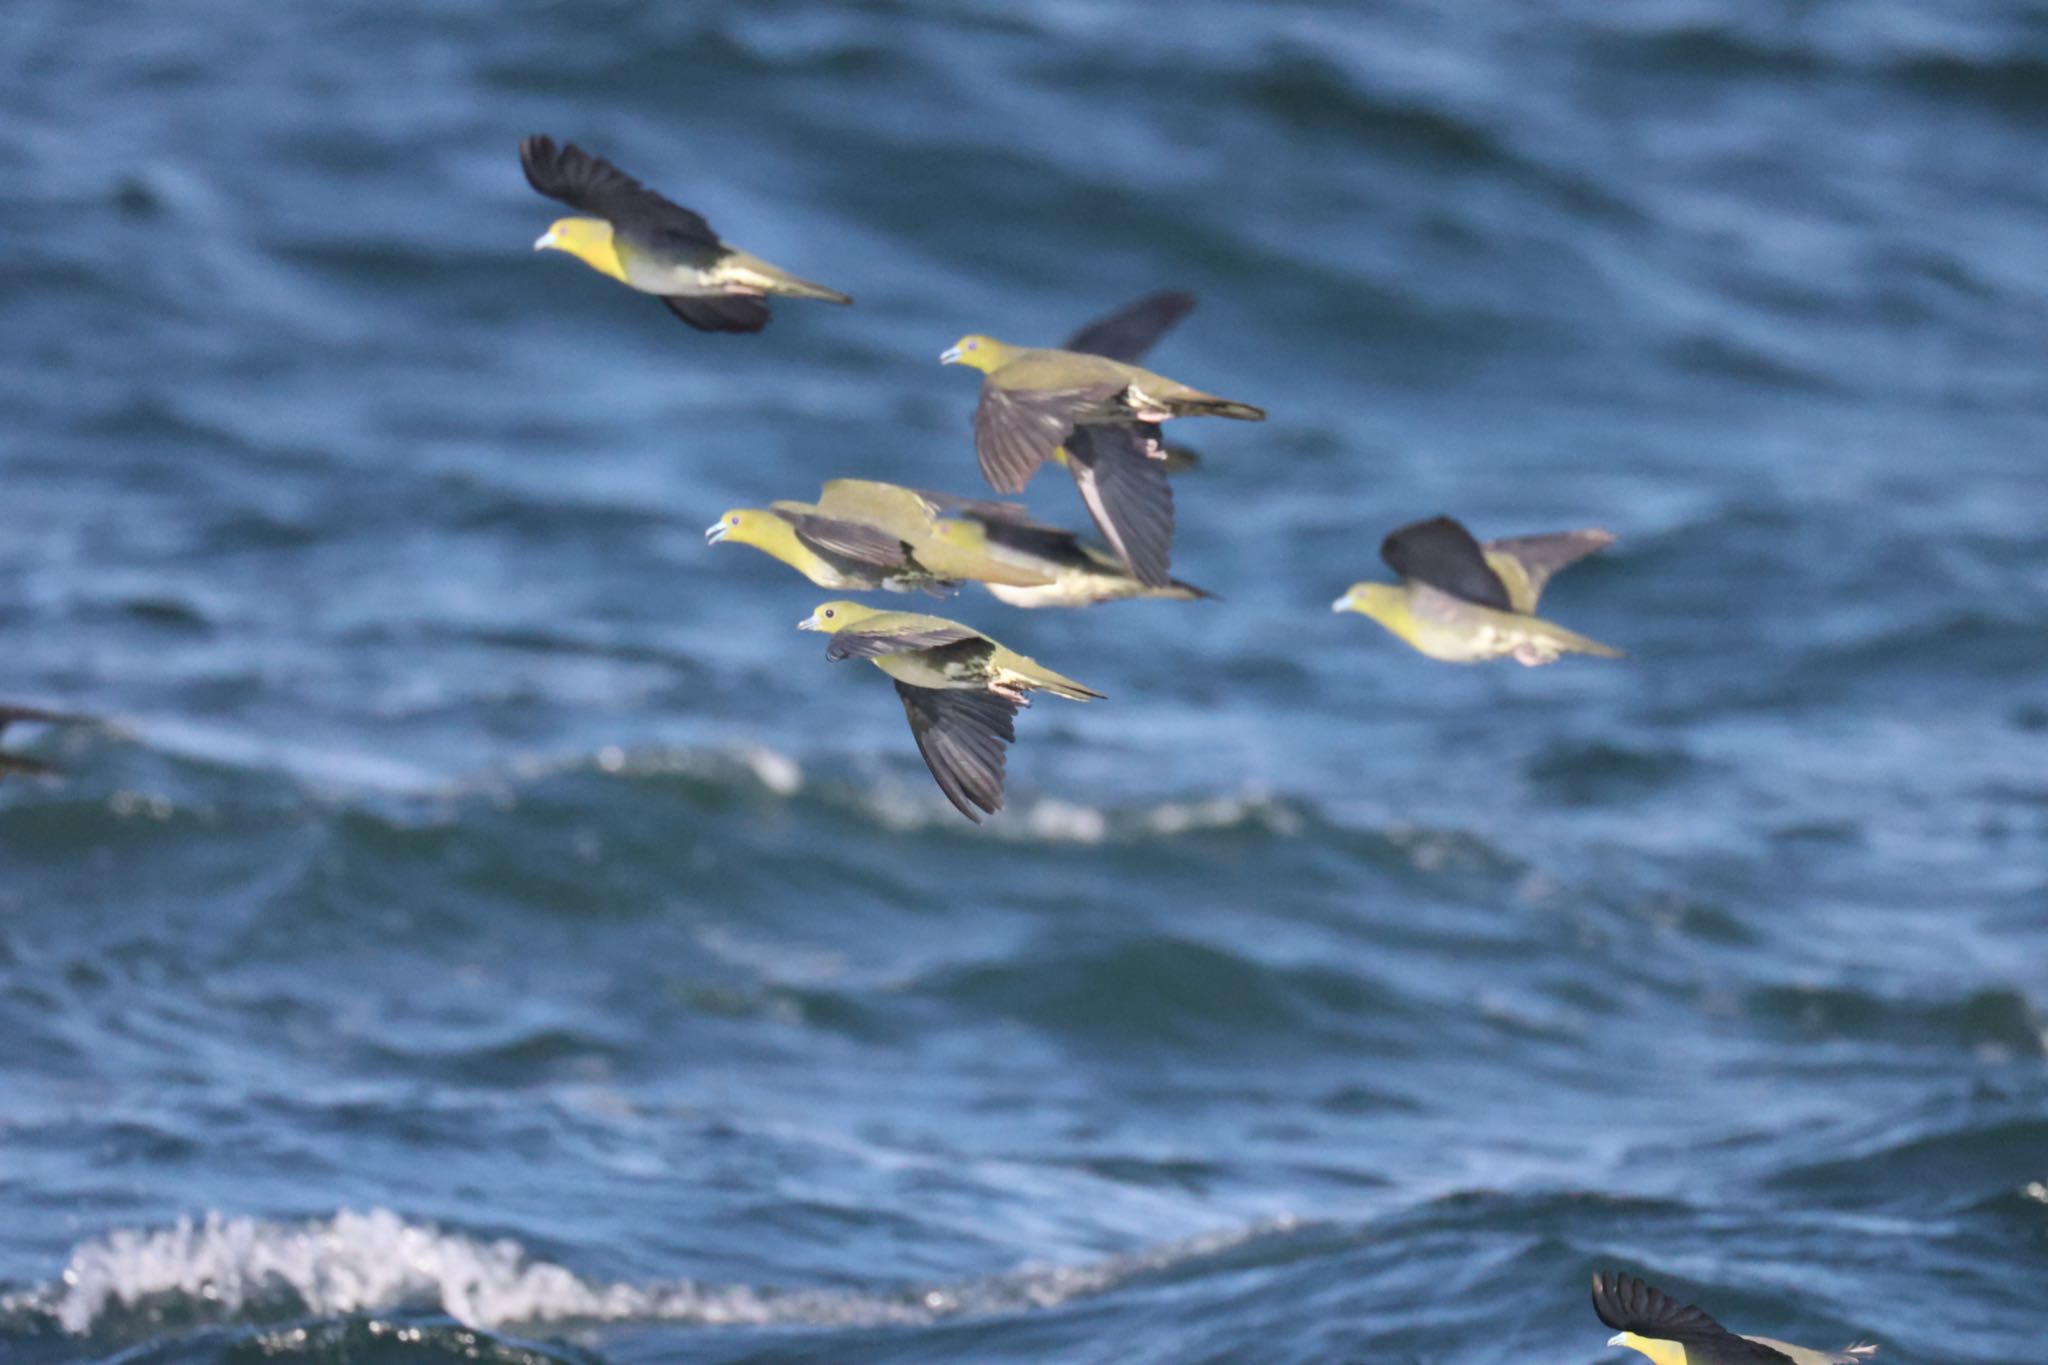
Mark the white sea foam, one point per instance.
(377, 1261)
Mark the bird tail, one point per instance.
(1036, 674)
(1562, 641)
(751, 272)
(1207, 405)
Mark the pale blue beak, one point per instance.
(810, 622)
(546, 240)
(716, 531)
(950, 356)
(1342, 604)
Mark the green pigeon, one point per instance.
(960, 690)
(1674, 1333)
(648, 243)
(830, 551)
(1033, 400)
(1118, 468)
(862, 534)
(1463, 602)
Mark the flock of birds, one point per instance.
(1090, 407)
(1087, 405)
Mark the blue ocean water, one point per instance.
(483, 927)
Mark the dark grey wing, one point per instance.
(1053, 544)
(1128, 494)
(855, 643)
(591, 183)
(848, 539)
(1542, 556)
(961, 735)
(1444, 555)
(1129, 332)
(1626, 1304)
(1016, 430)
(719, 312)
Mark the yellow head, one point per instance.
(1656, 1348)
(589, 240)
(1386, 603)
(833, 617)
(750, 526)
(982, 352)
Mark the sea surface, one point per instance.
(481, 927)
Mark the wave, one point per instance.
(219, 1269)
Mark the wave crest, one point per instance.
(250, 1270)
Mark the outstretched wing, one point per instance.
(580, 180)
(1444, 555)
(961, 734)
(1129, 332)
(1626, 1304)
(879, 635)
(1016, 430)
(1542, 556)
(1128, 494)
(719, 312)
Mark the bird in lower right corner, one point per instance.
(1673, 1333)
(17, 763)
(1463, 602)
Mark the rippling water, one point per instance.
(483, 927)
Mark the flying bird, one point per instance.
(1118, 467)
(960, 690)
(833, 552)
(1033, 400)
(1674, 1333)
(1464, 602)
(648, 243)
(863, 534)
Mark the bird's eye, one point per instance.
(733, 520)
(973, 345)
(830, 614)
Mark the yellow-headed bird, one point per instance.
(17, 763)
(917, 516)
(1033, 400)
(960, 689)
(863, 534)
(657, 247)
(833, 552)
(1463, 602)
(1674, 1333)
(1121, 469)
